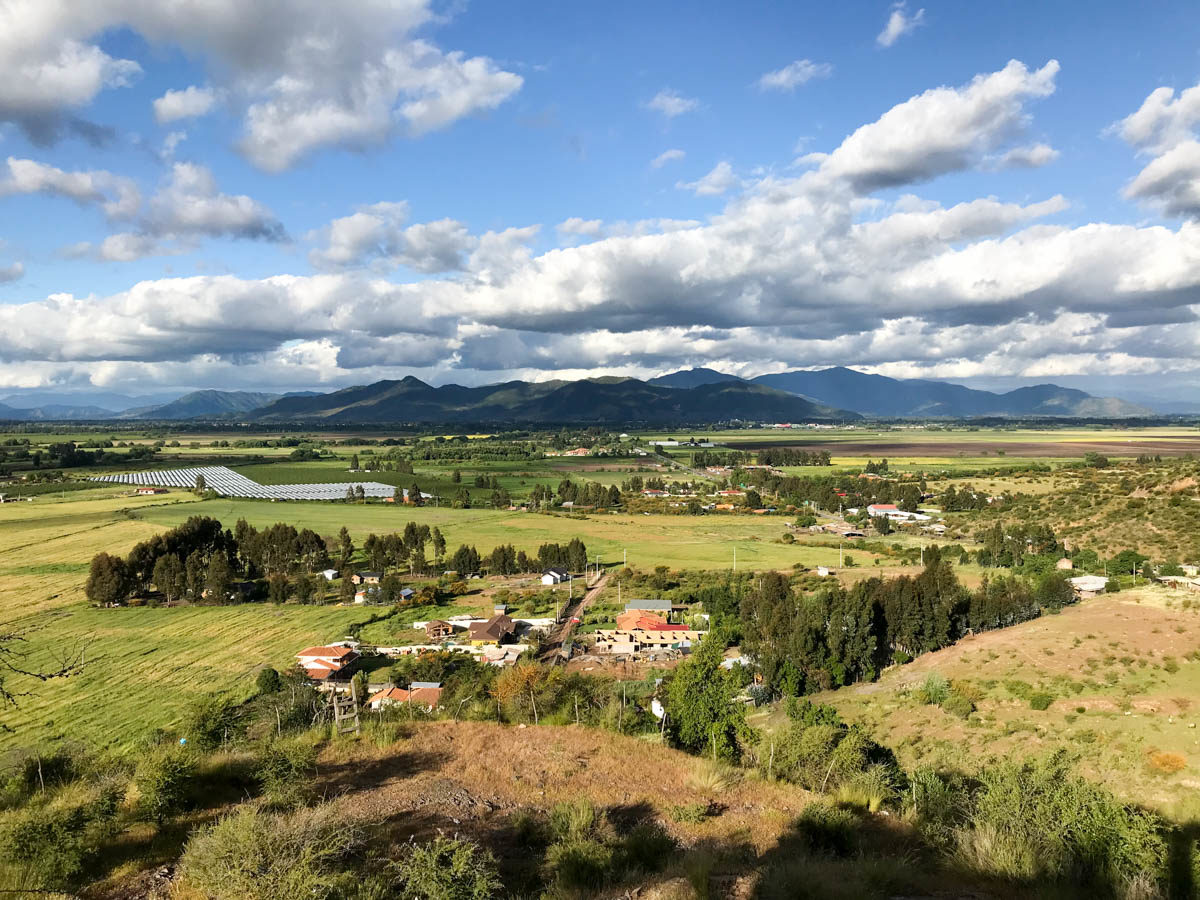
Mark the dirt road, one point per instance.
(562, 633)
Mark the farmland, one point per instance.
(1113, 681)
(145, 665)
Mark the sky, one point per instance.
(297, 194)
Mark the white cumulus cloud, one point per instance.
(186, 104)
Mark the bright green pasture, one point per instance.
(704, 542)
(144, 666)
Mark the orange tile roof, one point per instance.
(331, 652)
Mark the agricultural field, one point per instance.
(146, 664)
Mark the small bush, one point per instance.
(1040, 701)
(257, 855)
(958, 705)
(825, 828)
(268, 681)
(691, 813)
(285, 769)
(448, 869)
(51, 841)
(933, 690)
(579, 863)
(646, 848)
(165, 779)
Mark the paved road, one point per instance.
(562, 633)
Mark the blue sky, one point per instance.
(471, 192)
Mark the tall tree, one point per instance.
(108, 580)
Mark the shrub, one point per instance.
(579, 863)
(1112, 586)
(825, 828)
(209, 722)
(933, 690)
(869, 789)
(1040, 700)
(645, 848)
(808, 713)
(49, 843)
(268, 681)
(447, 869)
(691, 813)
(958, 705)
(164, 781)
(1037, 821)
(284, 769)
(257, 855)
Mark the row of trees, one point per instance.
(793, 456)
(837, 635)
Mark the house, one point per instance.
(425, 694)
(555, 575)
(407, 594)
(1088, 585)
(371, 593)
(493, 631)
(731, 493)
(328, 663)
(882, 509)
(578, 451)
(662, 637)
(1064, 565)
(329, 574)
(634, 619)
(652, 492)
(367, 577)
(437, 630)
(151, 489)
(824, 571)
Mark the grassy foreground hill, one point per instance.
(1114, 681)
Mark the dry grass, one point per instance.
(437, 774)
(1166, 763)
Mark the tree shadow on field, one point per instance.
(356, 775)
(1183, 843)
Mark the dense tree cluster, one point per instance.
(837, 635)
(793, 456)
(589, 493)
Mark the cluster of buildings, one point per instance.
(645, 629)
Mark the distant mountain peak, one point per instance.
(690, 378)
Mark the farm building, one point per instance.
(1088, 585)
(150, 489)
(367, 577)
(437, 630)
(555, 575)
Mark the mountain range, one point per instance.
(694, 395)
(613, 400)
